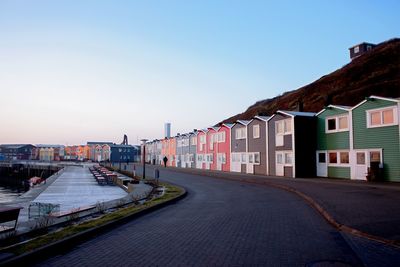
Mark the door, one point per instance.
(279, 164)
(361, 165)
(250, 163)
(219, 162)
(322, 165)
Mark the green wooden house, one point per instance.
(376, 138)
(334, 142)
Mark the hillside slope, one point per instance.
(374, 73)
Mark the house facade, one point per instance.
(201, 149)
(192, 149)
(16, 151)
(180, 157)
(239, 146)
(334, 148)
(223, 147)
(211, 148)
(376, 138)
(257, 145)
(292, 144)
(123, 153)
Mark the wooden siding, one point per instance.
(331, 141)
(339, 172)
(225, 147)
(271, 143)
(386, 138)
(258, 145)
(237, 145)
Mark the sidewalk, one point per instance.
(72, 188)
(372, 208)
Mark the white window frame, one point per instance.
(256, 131)
(240, 133)
(338, 163)
(336, 118)
(381, 110)
(284, 156)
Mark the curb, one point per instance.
(325, 214)
(314, 204)
(65, 244)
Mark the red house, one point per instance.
(211, 148)
(223, 148)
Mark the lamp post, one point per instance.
(144, 157)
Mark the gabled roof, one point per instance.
(213, 128)
(203, 130)
(14, 146)
(49, 146)
(296, 113)
(345, 108)
(99, 143)
(229, 125)
(396, 100)
(243, 122)
(262, 118)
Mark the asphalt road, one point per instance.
(219, 223)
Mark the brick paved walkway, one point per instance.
(219, 223)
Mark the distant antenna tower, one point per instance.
(167, 130)
(125, 142)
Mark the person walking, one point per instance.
(165, 159)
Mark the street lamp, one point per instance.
(144, 157)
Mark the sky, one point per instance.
(77, 71)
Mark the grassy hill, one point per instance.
(375, 73)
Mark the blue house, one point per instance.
(124, 153)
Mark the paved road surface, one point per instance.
(223, 223)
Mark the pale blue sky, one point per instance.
(75, 71)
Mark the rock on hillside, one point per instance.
(375, 73)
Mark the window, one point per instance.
(356, 49)
(251, 158)
(194, 141)
(288, 126)
(344, 157)
(257, 158)
(343, 123)
(256, 131)
(332, 157)
(360, 158)
(279, 158)
(284, 158)
(283, 126)
(288, 158)
(321, 157)
(375, 156)
(331, 124)
(337, 124)
(244, 158)
(387, 116)
(382, 117)
(240, 133)
(279, 127)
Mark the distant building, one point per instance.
(16, 151)
(124, 153)
(51, 152)
(167, 130)
(360, 49)
(96, 152)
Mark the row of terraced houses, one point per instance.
(357, 142)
